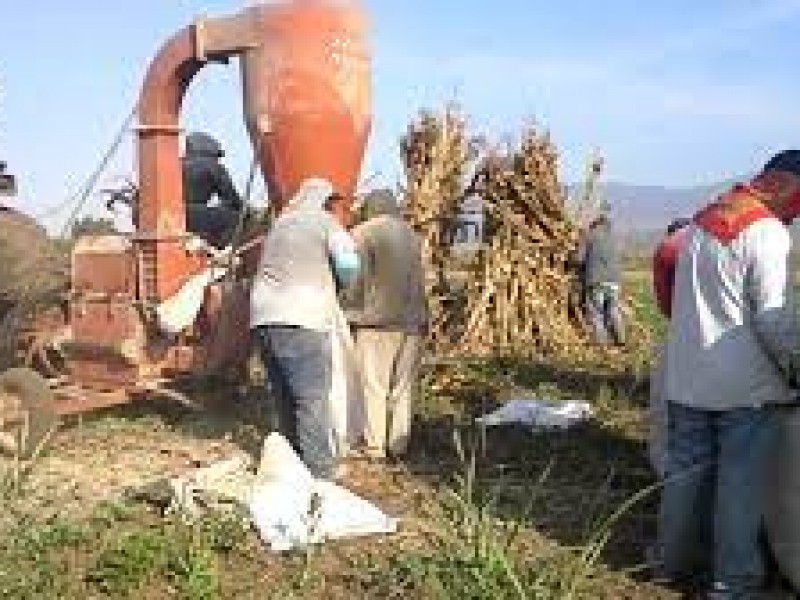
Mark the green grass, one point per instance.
(639, 285)
(497, 514)
(121, 551)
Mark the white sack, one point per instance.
(539, 414)
(179, 311)
(290, 509)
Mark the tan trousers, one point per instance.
(390, 363)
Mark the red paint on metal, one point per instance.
(306, 92)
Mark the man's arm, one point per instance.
(772, 300)
(344, 257)
(353, 296)
(665, 261)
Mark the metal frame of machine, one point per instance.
(306, 91)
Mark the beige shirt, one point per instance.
(390, 294)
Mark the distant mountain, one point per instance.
(641, 213)
(650, 208)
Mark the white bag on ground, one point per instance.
(539, 414)
(290, 509)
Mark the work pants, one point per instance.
(657, 413)
(390, 362)
(713, 499)
(298, 365)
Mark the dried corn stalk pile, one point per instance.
(518, 293)
(438, 158)
(523, 296)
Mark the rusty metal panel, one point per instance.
(98, 371)
(105, 321)
(104, 264)
(76, 401)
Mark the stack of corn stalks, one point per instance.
(518, 293)
(438, 158)
(523, 297)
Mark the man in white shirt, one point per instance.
(307, 255)
(731, 355)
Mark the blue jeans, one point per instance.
(299, 364)
(604, 314)
(712, 502)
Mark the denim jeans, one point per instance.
(604, 314)
(712, 502)
(299, 365)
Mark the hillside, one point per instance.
(640, 208)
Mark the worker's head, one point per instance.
(341, 207)
(779, 181)
(602, 221)
(677, 225)
(381, 202)
(202, 144)
(312, 195)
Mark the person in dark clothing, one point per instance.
(678, 224)
(205, 177)
(601, 272)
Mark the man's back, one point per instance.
(204, 176)
(601, 257)
(392, 290)
(715, 359)
(295, 284)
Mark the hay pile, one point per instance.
(517, 292)
(438, 158)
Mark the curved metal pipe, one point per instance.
(161, 214)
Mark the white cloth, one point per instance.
(716, 357)
(347, 393)
(214, 486)
(290, 509)
(539, 414)
(178, 312)
(390, 363)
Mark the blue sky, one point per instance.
(677, 93)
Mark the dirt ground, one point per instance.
(560, 486)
